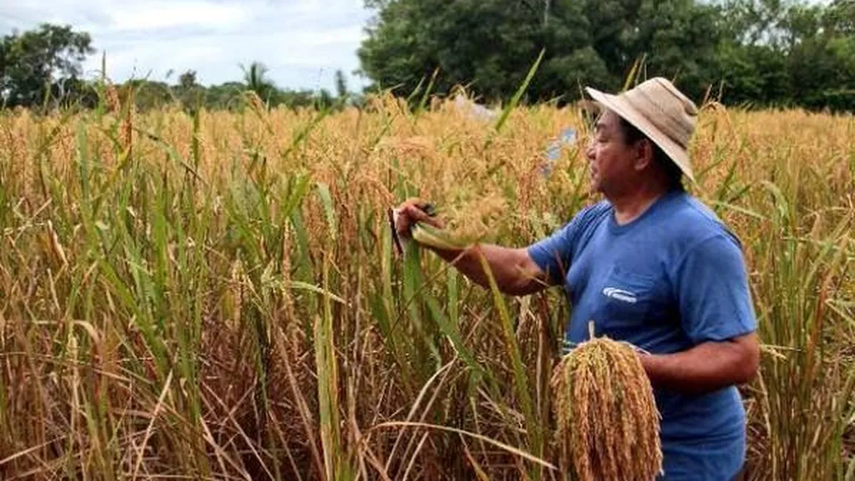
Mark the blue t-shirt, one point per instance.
(669, 280)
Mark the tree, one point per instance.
(841, 17)
(224, 96)
(762, 52)
(296, 98)
(187, 80)
(188, 91)
(680, 39)
(490, 44)
(821, 57)
(788, 53)
(41, 61)
(255, 79)
(148, 94)
(341, 86)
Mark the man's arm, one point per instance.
(514, 270)
(711, 288)
(706, 367)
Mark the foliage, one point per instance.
(490, 43)
(743, 52)
(254, 77)
(41, 68)
(758, 52)
(42, 61)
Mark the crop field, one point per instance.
(217, 295)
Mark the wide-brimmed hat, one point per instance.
(659, 111)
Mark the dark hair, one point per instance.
(632, 135)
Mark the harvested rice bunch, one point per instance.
(472, 216)
(608, 425)
(440, 238)
(466, 223)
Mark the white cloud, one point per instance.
(302, 42)
(160, 15)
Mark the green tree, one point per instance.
(148, 94)
(187, 80)
(341, 86)
(296, 98)
(255, 78)
(789, 53)
(490, 44)
(188, 91)
(679, 39)
(840, 17)
(41, 61)
(754, 52)
(224, 96)
(821, 56)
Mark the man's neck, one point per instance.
(630, 205)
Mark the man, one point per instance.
(652, 266)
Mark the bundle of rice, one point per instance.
(430, 236)
(608, 425)
(466, 223)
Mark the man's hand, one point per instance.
(513, 270)
(411, 211)
(706, 367)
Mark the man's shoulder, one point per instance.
(691, 221)
(593, 212)
(587, 219)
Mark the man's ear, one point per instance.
(644, 154)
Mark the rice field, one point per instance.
(217, 295)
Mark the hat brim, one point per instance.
(622, 108)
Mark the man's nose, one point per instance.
(589, 150)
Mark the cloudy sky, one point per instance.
(302, 42)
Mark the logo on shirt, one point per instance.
(620, 295)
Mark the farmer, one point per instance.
(652, 266)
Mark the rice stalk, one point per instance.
(607, 421)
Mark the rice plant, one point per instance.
(218, 296)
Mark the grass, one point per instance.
(217, 296)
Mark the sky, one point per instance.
(302, 42)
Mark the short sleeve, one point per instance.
(554, 253)
(712, 291)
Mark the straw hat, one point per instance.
(659, 111)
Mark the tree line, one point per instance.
(41, 68)
(754, 53)
(745, 52)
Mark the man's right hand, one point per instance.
(411, 211)
(513, 270)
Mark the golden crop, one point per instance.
(219, 297)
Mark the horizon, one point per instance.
(217, 37)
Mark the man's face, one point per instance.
(610, 158)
